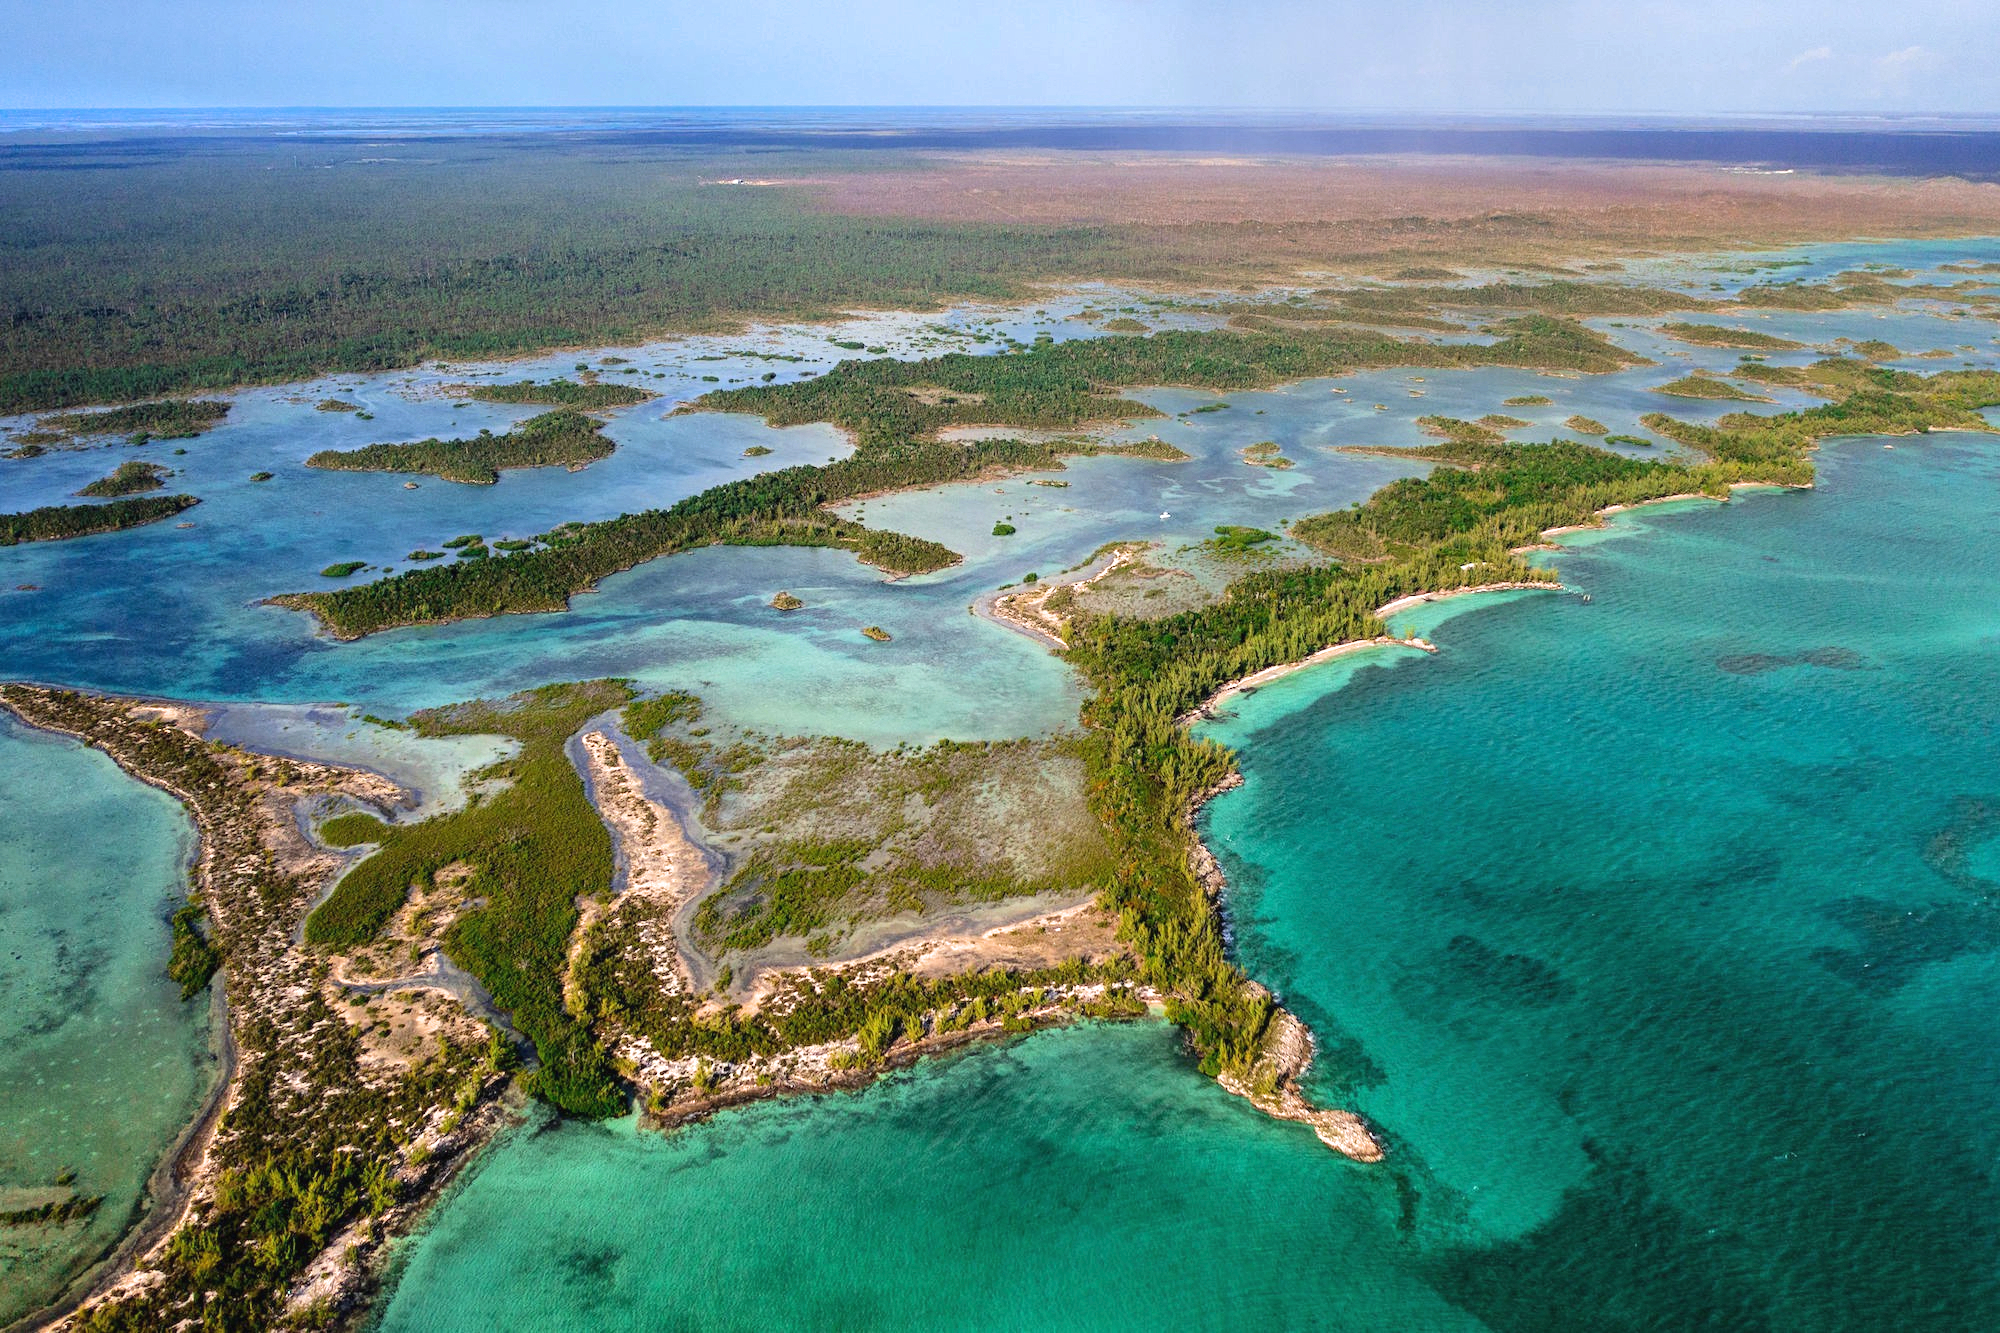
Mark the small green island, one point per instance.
(784, 601)
(129, 478)
(1704, 386)
(876, 632)
(562, 393)
(60, 522)
(343, 569)
(1717, 335)
(168, 419)
(1583, 425)
(565, 438)
(1265, 453)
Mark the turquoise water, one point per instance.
(1655, 933)
(101, 1065)
(1650, 931)
(1078, 1179)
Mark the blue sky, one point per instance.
(1690, 56)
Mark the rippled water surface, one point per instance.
(1654, 931)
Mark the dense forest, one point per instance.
(56, 522)
(201, 263)
(561, 438)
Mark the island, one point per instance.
(60, 522)
(563, 438)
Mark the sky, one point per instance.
(1684, 56)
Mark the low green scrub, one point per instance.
(193, 960)
(172, 419)
(562, 438)
(563, 393)
(531, 849)
(1233, 539)
(59, 522)
(1702, 386)
(1716, 335)
(129, 478)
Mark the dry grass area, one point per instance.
(1262, 214)
(825, 834)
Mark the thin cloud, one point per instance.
(1894, 70)
(1804, 58)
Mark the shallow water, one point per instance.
(101, 1064)
(1674, 1001)
(1654, 932)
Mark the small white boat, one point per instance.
(1164, 515)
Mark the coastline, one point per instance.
(252, 872)
(1289, 1045)
(170, 1184)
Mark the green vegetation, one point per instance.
(784, 601)
(1234, 539)
(563, 393)
(757, 451)
(1265, 453)
(1501, 421)
(531, 849)
(1583, 425)
(336, 405)
(464, 539)
(261, 476)
(58, 522)
(877, 633)
(1715, 335)
(1528, 400)
(194, 959)
(342, 569)
(1633, 441)
(128, 478)
(1124, 324)
(773, 509)
(1004, 529)
(1055, 384)
(1208, 407)
(1456, 431)
(421, 554)
(176, 419)
(197, 263)
(1068, 384)
(1703, 386)
(564, 437)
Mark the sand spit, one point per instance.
(1272, 1088)
(662, 866)
(1028, 612)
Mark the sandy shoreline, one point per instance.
(244, 822)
